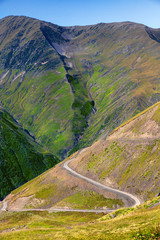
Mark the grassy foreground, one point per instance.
(121, 224)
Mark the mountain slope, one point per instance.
(67, 85)
(33, 85)
(21, 158)
(128, 159)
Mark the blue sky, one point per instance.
(85, 12)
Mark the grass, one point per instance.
(45, 192)
(121, 224)
(89, 200)
(148, 234)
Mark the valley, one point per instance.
(95, 167)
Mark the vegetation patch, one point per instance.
(82, 106)
(148, 234)
(46, 192)
(156, 115)
(89, 200)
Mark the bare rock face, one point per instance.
(153, 34)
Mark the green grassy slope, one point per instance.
(68, 85)
(33, 86)
(21, 157)
(120, 62)
(135, 224)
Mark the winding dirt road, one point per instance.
(133, 200)
(128, 196)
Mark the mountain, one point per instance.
(21, 157)
(69, 85)
(128, 159)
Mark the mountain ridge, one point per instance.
(87, 70)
